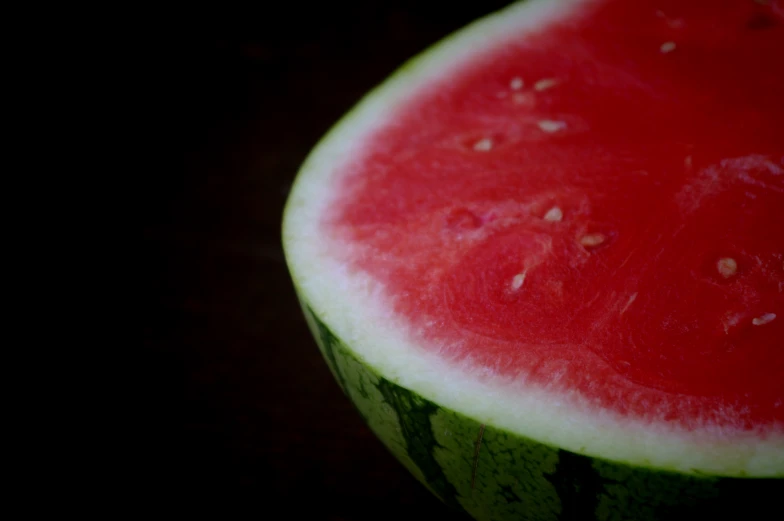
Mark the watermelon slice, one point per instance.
(545, 260)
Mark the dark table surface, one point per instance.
(234, 400)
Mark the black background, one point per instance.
(233, 401)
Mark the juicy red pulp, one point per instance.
(618, 230)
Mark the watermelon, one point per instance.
(545, 261)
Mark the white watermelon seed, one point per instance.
(727, 267)
(592, 239)
(551, 126)
(667, 47)
(554, 214)
(517, 281)
(483, 145)
(516, 83)
(764, 319)
(545, 84)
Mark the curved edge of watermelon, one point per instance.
(375, 343)
(492, 473)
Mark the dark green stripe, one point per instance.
(415, 413)
(578, 485)
(749, 499)
(329, 340)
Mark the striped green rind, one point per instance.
(496, 475)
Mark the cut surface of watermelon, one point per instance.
(562, 224)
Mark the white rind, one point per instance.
(357, 310)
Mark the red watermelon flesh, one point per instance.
(604, 218)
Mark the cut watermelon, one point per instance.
(546, 260)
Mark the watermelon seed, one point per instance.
(545, 84)
(764, 319)
(477, 446)
(727, 267)
(554, 214)
(483, 145)
(667, 47)
(592, 239)
(517, 281)
(516, 84)
(550, 126)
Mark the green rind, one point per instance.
(493, 474)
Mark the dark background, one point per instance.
(234, 402)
